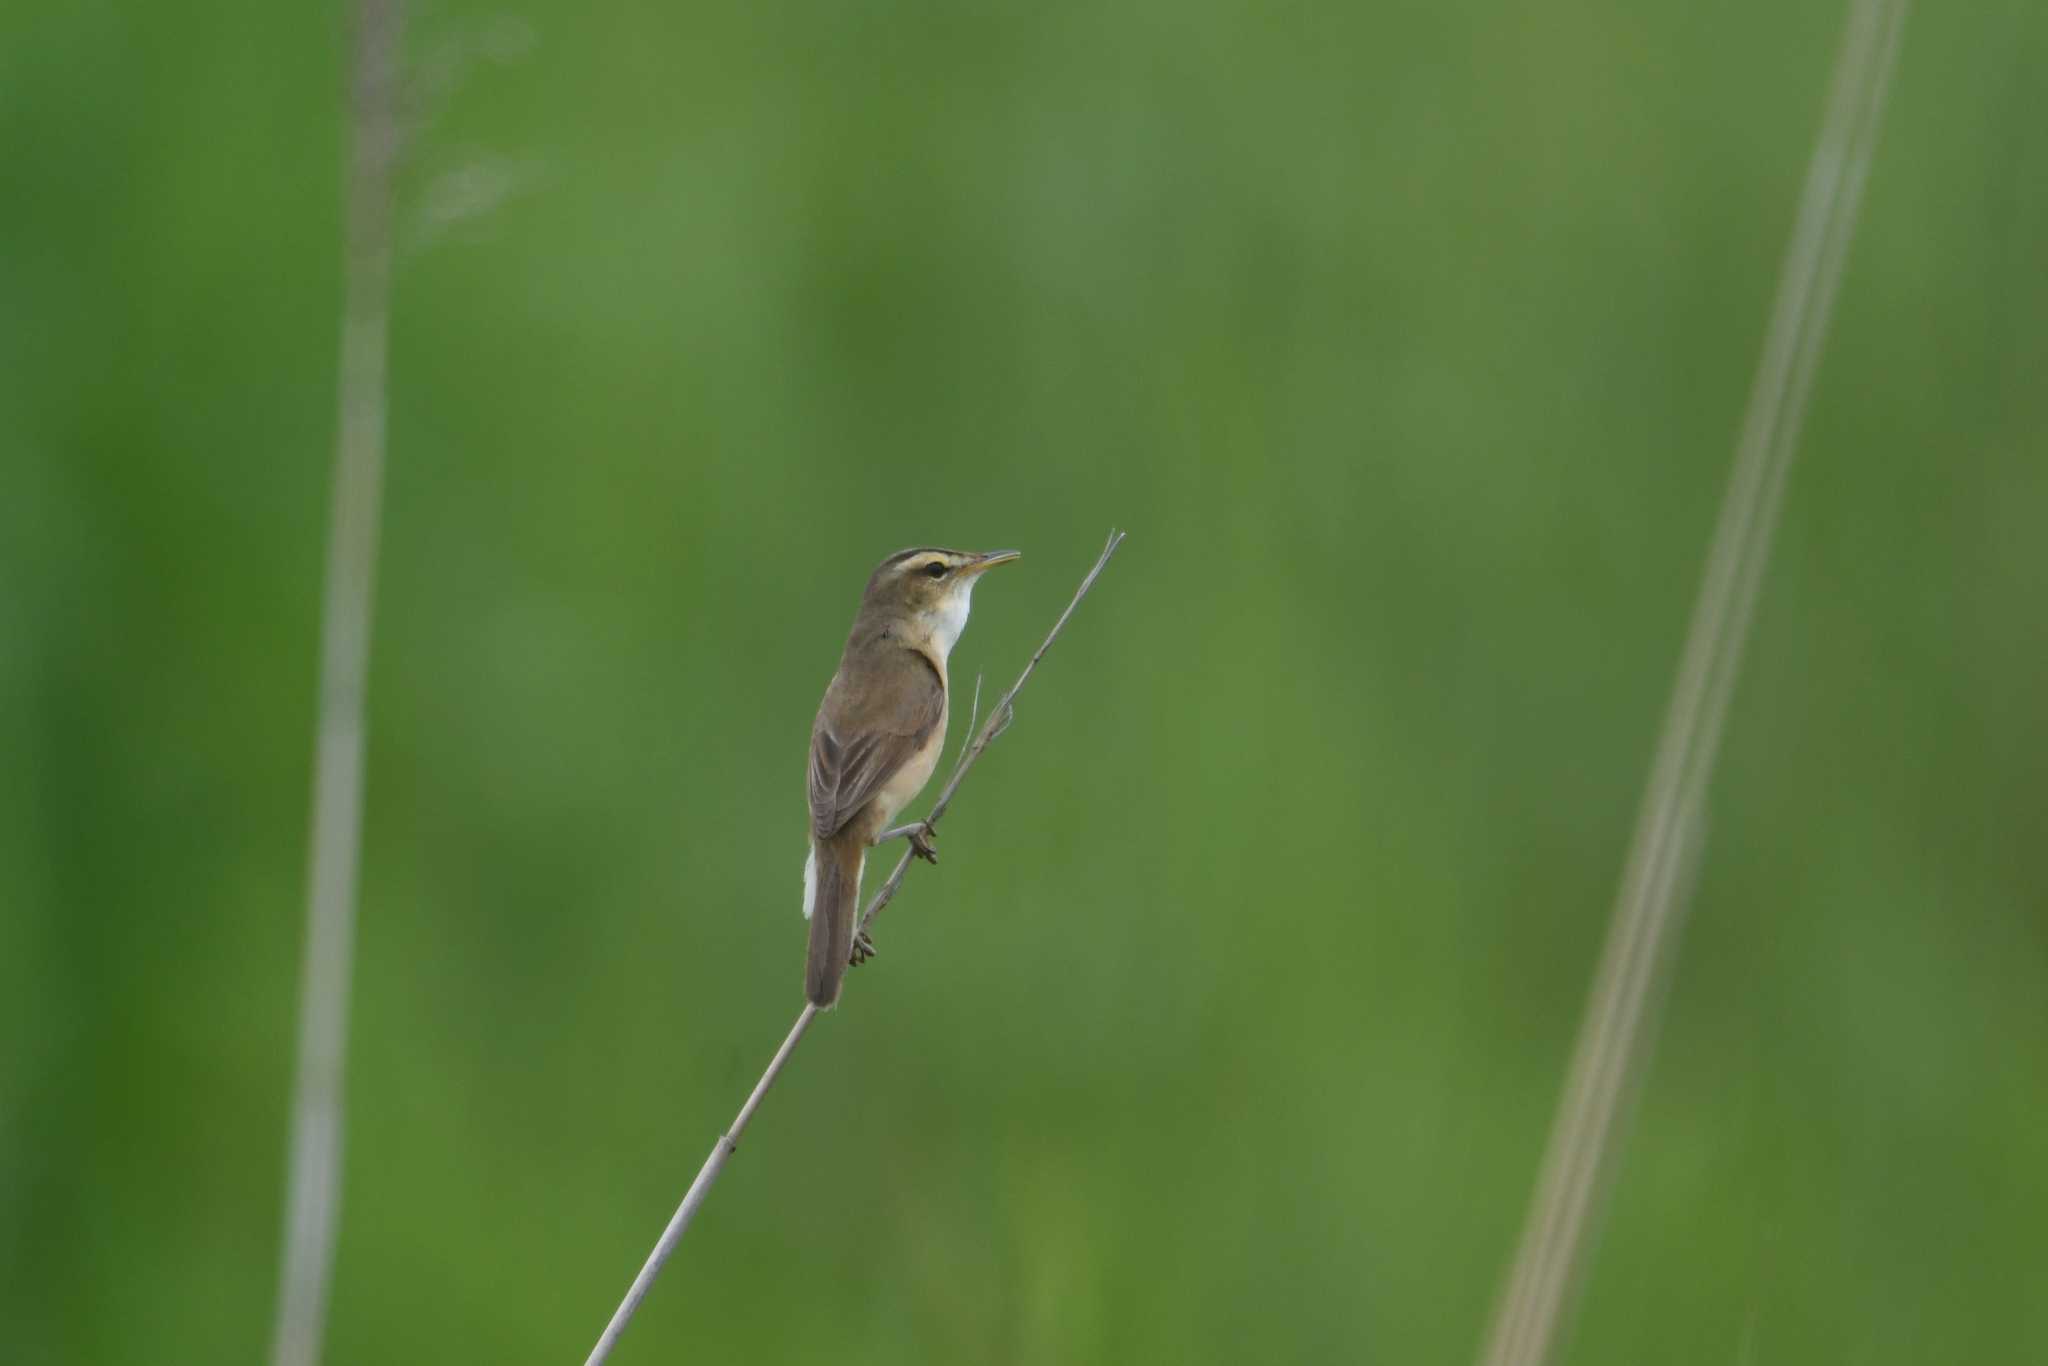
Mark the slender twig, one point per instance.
(973, 715)
(1649, 908)
(999, 718)
(728, 1142)
(313, 1186)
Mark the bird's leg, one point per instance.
(919, 833)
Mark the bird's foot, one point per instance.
(919, 833)
(863, 948)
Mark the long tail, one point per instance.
(832, 884)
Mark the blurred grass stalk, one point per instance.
(1648, 911)
(313, 1182)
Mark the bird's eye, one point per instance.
(937, 569)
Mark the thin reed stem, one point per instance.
(999, 718)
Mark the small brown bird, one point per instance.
(878, 736)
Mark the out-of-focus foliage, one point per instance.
(1409, 342)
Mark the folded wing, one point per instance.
(863, 736)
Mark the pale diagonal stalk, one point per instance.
(313, 1182)
(728, 1142)
(999, 718)
(1649, 909)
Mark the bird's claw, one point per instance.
(863, 948)
(921, 837)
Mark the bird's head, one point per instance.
(929, 589)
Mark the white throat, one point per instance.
(951, 618)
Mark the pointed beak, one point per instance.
(990, 560)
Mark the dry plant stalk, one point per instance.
(313, 1184)
(998, 721)
(1642, 935)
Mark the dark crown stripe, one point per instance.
(900, 556)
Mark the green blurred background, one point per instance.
(1409, 342)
